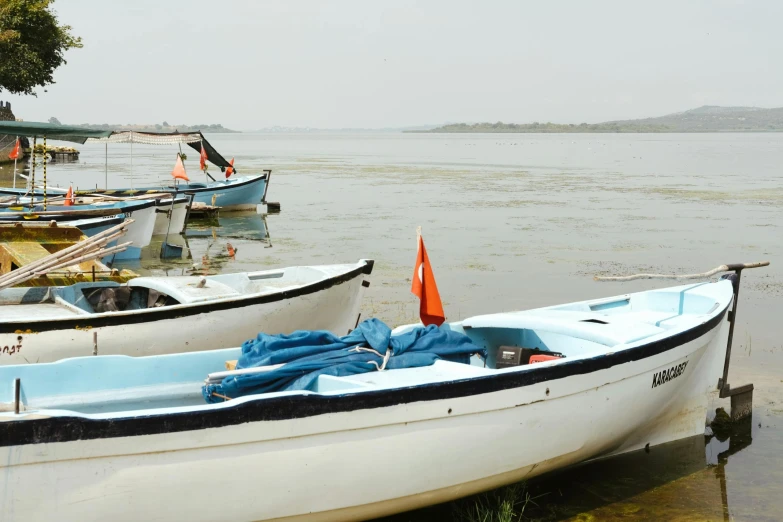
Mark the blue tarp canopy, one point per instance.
(307, 354)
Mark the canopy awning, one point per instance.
(33, 129)
(151, 138)
(193, 139)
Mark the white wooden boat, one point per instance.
(160, 315)
(128, 439)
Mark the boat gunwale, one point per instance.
(151, 190)
(149, 315)
(176, 190)
(62, 428)
(253, 179)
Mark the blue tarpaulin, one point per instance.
(307, 354)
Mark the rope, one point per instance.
(44, 167)
(386, 357)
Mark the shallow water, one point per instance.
(519, 221)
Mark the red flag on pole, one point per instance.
(179, 170)
(16, 153)
(69, 197)
(423, 286)
(230, 170)
(203, 158)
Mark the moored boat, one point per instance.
(24, 244)
(621, 373)
(231, 194)
(143, 212)
(160, 315)
(170, 212)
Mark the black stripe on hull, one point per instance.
(150, 315)
(66, 429)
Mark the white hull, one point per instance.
(369, 461)
(335, 308)
(139, 233)
(178, 216)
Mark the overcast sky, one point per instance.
(334, 64)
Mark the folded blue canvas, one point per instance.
(307, 354)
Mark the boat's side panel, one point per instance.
(139, 232)
(420, 452)
(335, 308)
(686, 414)
(178, 215)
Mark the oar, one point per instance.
(722, 268)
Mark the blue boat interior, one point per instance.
(121, 386)
(143, 293)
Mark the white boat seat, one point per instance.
(580, 325)
(186, 289)
(440, 371)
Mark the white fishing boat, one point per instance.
(124, 439)
(162, 315)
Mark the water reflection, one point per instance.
(235, 225)
(208, 246)
(685, 479)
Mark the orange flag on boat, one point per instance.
(16, 153)
(423, 286)
(203, 158)
(230, 170)
(69, 197)
(179, 170)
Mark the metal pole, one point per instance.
(732, 321)
(32, 173)
(44, 167)
(17, 394)
(131, 174)
(205, 166)
(17, 142)
(106, 167)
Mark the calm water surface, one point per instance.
(519, 221)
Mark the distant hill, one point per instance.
(158, 127)
(709, 118)
(345, 130)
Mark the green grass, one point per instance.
(506, 504)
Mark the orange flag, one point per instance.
(69, 197)
(423, 285)
(203, 158)
(179, 170)
(230, 170)
(16, 153)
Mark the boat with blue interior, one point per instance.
(430, 413)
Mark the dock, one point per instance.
(203, 211)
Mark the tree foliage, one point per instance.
(32, 45)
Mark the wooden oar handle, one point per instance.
(722, 268)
